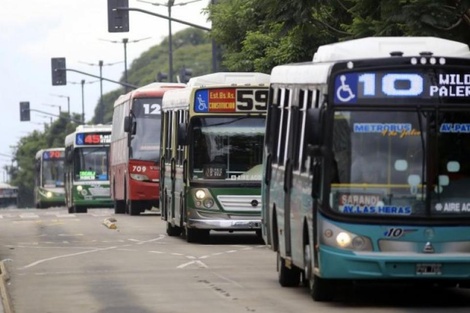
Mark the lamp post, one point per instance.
(170, 4)
(100, 116)
(68, 101)
(126, 41)
(82, 83)
(54, 105)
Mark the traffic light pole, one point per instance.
(214, 50)
(109, 80)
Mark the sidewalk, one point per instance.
(5, 306)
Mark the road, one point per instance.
(60, 262)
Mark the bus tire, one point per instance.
(172, 231)
(119, 207)
(80, 209)
(133, 207)
(321, 289)
(288, 277)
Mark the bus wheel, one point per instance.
(71, 208)
(119, 207)
(196, 235)
(320, 289)
(133, 207)
(172, 231)
(288, 277)
(80, 209)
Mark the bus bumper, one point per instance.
(338, 264)
(217, 224)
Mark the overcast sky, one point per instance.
(34, 31)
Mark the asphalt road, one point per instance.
(60, 262)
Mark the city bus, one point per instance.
(211, 154)
(49, 178)
(86, 168)
(366, 171)
(8, 196)
(135, 148)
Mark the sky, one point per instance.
(33, 32)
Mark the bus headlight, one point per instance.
(48, 194)
(200, 194)
(139, 177)
(79, 188)
(336, 237)
(203, 199)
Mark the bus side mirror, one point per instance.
(129, 125)
(68, 155)
(38, 166)
(314, 121)
(182, 134)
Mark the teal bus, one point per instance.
(86, 168)
(49, 178)
(366, 172)
(211, 154)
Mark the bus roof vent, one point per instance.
(425, 53)
(381, 47)
(396, 53)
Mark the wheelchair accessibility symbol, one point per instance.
(345, 86)
(201, 102)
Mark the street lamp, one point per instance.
(100, 116)
(83, 82)
(125, 41)
(169, 4)
(54, 105)
(68, 101)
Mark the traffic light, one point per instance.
(185, 75)
(118, 20)
(59, 74)
(24, 112)
(162, 77)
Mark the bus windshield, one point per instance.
(393, 163)
(227, 147)
(53, 173)
(92, 164)
(145, 143)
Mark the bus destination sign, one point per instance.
(48, 155)
(97, 138)
(225, 100)
(427, 86)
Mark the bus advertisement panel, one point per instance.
(49, 178)
(366, 170)
(135, 148)
(211, 154)
(86, 168)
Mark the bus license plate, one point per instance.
(428, 269)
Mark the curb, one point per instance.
(5, 296)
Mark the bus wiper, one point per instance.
(423, 148)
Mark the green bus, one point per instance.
(211, 154)
(49, 178)
(86, 168)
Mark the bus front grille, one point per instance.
(240, 203)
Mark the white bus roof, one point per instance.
(381, 47)
(223, 78)
(317, 71)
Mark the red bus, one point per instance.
(135, 149)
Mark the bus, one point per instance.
(86, 168)
(211, 154)
(49, 178)
(8, 196)
(366, 171)
(135, 149)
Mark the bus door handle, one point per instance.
(173, 168)
(185, 170)
(267, 175)
(288, 176)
